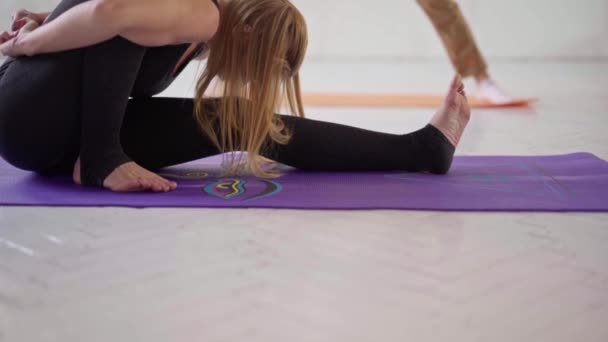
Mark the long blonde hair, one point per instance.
(257, 53)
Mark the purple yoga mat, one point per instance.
(575, 182)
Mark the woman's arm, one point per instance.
(145, 22)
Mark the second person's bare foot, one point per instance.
(454, 115)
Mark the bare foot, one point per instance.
(130, 177)
(453, 116)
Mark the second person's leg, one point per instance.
(462, 48)
(452, 27)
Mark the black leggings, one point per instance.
(57, 107)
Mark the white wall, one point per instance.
(399, 30)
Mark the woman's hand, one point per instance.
(144, 22)
(5, 37)
(20, 18)
(14, 44)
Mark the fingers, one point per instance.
(18, 17)
(5, 37)
(28, 26)
(23, 13)
(20, 14)
(18, 24)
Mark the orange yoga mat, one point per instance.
(396, 100)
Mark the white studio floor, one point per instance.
(267, 275)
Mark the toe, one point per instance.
(146, 184)
(159, 186)
(164, 187)
(127, 186)
(457, 82)
(169, 185)
(455, 88)
(136, 186)
(461, 88)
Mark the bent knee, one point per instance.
(27, 151)
(30, 158)
(26, 156)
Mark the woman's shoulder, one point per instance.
(200, 20)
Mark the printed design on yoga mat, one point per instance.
(499, 178)
(194, 175)
(230, 188)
